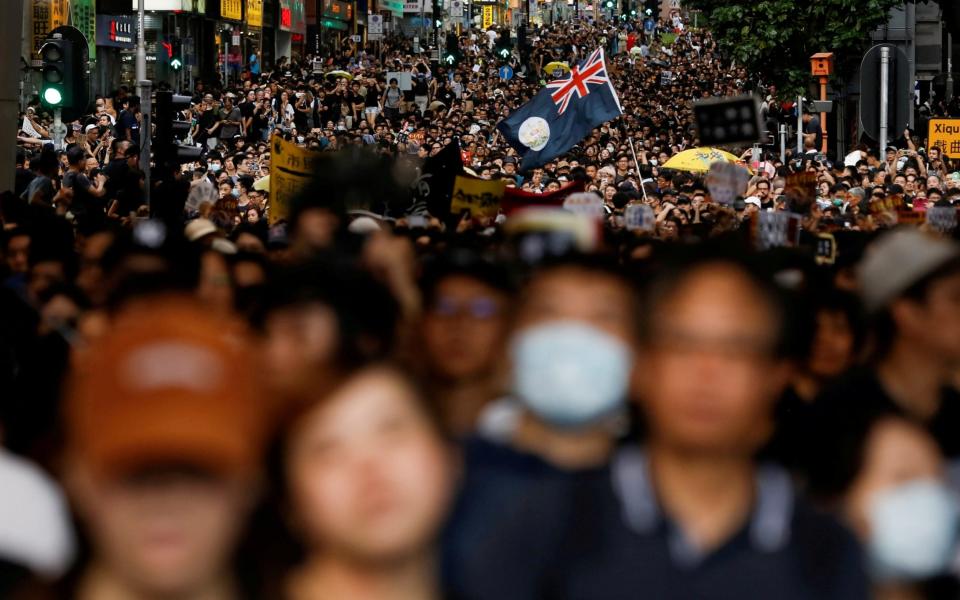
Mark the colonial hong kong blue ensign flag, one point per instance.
(562, 113)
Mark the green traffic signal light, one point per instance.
(52, 96)
(449, 59)
(176, 64)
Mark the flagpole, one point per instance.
(636, 163)
(643, 188)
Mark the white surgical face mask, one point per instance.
(913, 530)
(570, 374)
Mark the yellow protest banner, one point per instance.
(481, 197)
(945, 134)
(231, 9)
(255, 13)
(59, 13)
(291, 167)
(487, 16)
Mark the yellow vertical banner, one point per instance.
(231, 9)
(59, 13)
(291, 167)
(481, 197)
(487, 16)
(255, 13)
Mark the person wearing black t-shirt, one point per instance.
(128, 122)
(86, 202)
(910, 286)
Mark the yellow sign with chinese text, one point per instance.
(945, 134)
(480, 197)
(255, 13)
(231, 9)
(487, 16)
(291, 168)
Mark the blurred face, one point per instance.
(897, 452)
(299, 342)
(369, 476)
(832, 351)
(708, 379)
(316, 228)
(165, 534)
(578, 294)
(934, 321)
(18, 254)
(463, 328)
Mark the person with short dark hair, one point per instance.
(689, 513)
(910, 285)
(86, 197)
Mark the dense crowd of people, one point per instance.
(677, 396)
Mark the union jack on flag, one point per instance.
(593, 71)
(562, 113)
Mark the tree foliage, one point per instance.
(774, 39)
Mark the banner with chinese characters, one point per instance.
(291, 167)
(231, 9)
(479, 197)
(59, 13)
(487, 16)
(83, 16)
(255, 13)
(41, 23)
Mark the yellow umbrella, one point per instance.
(556, 68)
(698, 160)
(338, 73)
(262, 184)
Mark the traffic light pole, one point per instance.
(59, 131)
(10, 38)
(141, 44)
(146, 107)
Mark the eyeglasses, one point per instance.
(477, 308)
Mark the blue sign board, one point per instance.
(506, 72)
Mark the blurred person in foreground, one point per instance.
(164, 431)
(886, 477)
(463, 331)
(690, 513)
(366, 477)
(571, 352)
(837, 343)
(910, 287)
(323, 317)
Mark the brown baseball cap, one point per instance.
(169, 384)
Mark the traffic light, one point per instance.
(504, 48)
(176, 54)
(63, 84)
(451, 54)
(437, 14)
(170, 129)
(608, 5)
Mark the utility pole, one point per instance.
(949, 94)
(11, 32)
(884, 96)
(144, 86)
(783, 143)
(799, 126)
